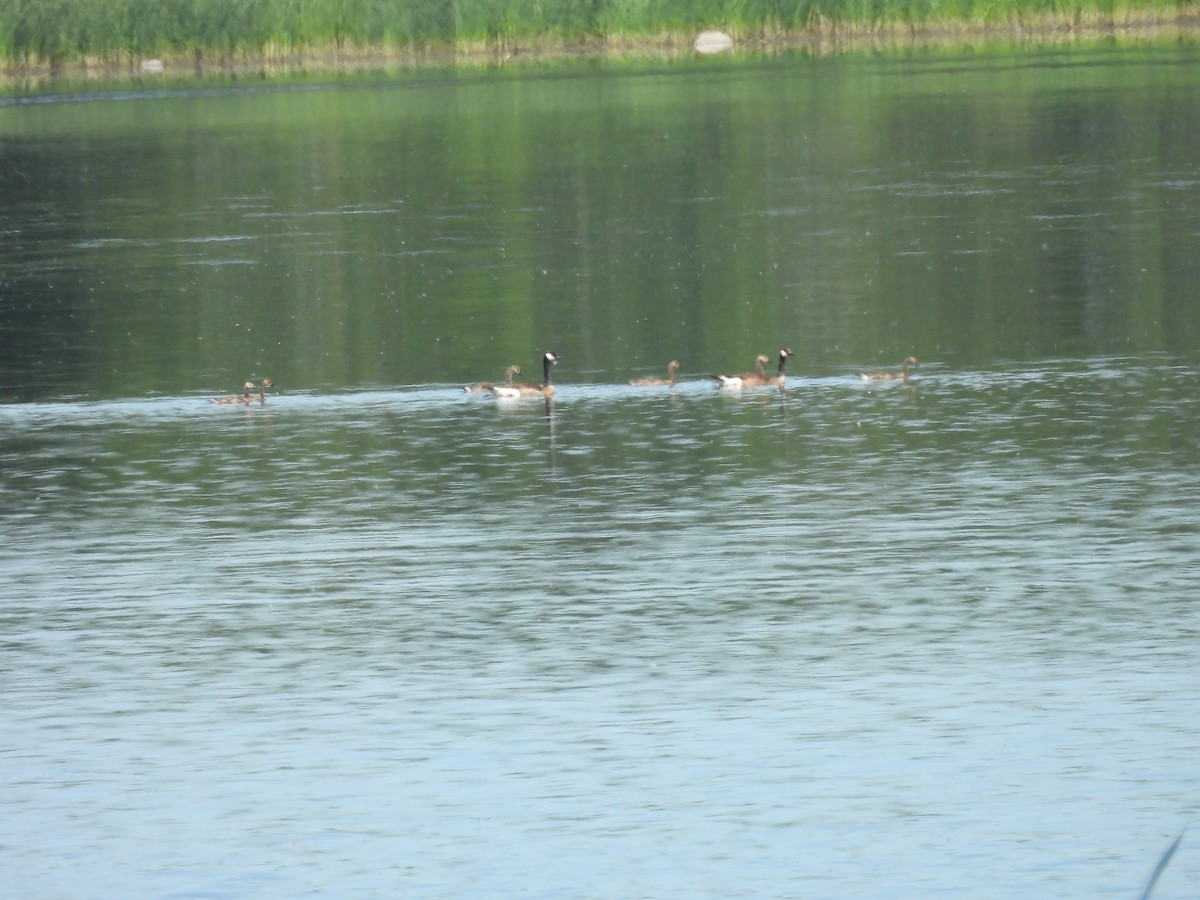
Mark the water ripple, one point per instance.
(928, 619)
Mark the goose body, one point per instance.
(524, 389)
(243, 397)
(902, 375)
(480, 386)
(746, 379)
(655, 381)
(759, 377)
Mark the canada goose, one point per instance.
(480, 386)
(522, 389)
(243, 397)
(655, 381)
(902, 375)
(758, 377)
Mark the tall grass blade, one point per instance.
(1162, 864)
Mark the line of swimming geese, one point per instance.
(758, 378)
(511, 390)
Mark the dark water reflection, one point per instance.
(840, 639)
(429, 229)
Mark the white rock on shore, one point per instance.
(713, 42)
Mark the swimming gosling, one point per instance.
(655, 381)
(243, 397)
(262, 391)
(902, 375)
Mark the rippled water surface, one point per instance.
(835, 641)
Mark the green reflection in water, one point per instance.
(434, 228)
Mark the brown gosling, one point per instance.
(655, 381)
(480, 386)
(524, 389)
(243, 397)
(262, 391)
(902, 375)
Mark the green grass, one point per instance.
(49, 32)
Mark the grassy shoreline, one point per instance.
(820, 35)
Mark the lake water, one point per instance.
(381, 637)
